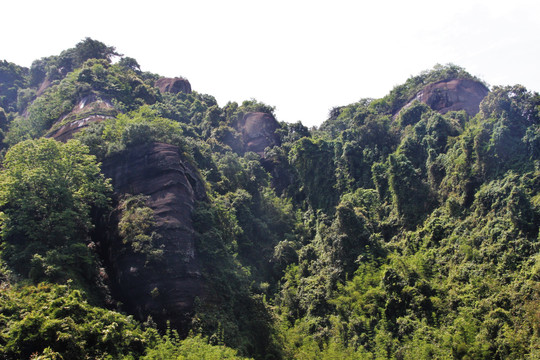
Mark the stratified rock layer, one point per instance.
(88, 110)
(165, 290)
(453, 95)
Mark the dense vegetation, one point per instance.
(385, 233)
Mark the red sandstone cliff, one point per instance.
(453, 95)
(168, 290)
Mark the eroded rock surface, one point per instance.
(173, 85)
(258, 131)
(166, 289)
(88, 111)
(453, 95)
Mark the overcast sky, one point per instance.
(303, 57)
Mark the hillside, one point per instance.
(141, 220)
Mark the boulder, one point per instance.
(173, 85)
(258, 131)
(453, 95)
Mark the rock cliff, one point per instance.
(167, 290)
(453, 95)
(158, 171)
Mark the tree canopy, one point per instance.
(392, 231)
(47, 190)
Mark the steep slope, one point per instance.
(401, 228)
(163, 288)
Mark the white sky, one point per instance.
(304, 57)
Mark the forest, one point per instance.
(141, 220)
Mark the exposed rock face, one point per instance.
(167, 290)
(453, 95)
(173, 85)
(258, 131)
(44, 86)
(89, 110)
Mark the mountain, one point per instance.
(139, 219)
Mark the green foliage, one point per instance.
(366, 138)
(25, 98)
(55, 322)
(413, 114)
(12, 79)
(455, 199)
(123, 86)
(138, 127)
(289, 133)
(232, 315)
(136, 227)
(3, 126)
(3, 119)
(45, 110)
(410, 194)
(91, 49)
(192, 348)
(234, 113)
(401, 94)
(47, 190)
(184, 108)
(313, 160)
(389, 232)
(93, 78)
(130, 63)
(56, 67)
(503, 138)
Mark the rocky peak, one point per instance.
(453, 95)
(173, 85)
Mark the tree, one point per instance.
(314, 160)
(3, 119)
(93, 49)
(130, 64)
(47, 189)
(411, 196)
(12, 78)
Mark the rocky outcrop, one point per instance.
(173, 85)
(45, 84)
(258, 131)
(453, 95)
(167, 289)
(89, 110)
